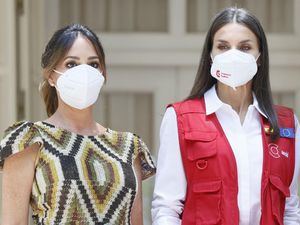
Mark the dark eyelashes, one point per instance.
(243, 48)
(223, 47)
(71, 64)
(94, 64)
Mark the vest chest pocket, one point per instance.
(208, 202)
(279, 192)
(201, 151)
(200, 144)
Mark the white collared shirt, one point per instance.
(246, 143)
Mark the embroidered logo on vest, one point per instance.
(274, 150)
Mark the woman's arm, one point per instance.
(170, 182)
(137, 208)
(292, 210)
(17, 179)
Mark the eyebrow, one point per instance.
(248, 40)
(71, 57)
(77, 58)
(244, 41)
(93, 57)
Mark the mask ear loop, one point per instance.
(211, 58)
(53, 85)
(58, 72)
(258, 63)
(257, 57)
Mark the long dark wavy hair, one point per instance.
(56, 49)
(261, 83)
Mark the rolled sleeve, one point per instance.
(170, 183)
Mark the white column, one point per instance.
(24, 57)
(177, 17)
(38, 36)
(8, 112)
(202, 15)
(297, 103)
(297, 33)
(51, 16)
(121, 15)
(95, 14)
(297, 18)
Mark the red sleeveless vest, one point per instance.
(211, 170)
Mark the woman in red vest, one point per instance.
(227, 154)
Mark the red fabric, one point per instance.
(211, 170)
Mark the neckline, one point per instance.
(107, 130)
(213, 103)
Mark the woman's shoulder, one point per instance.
(123, 137)
(18, 137)
(188, 105)
(19, 124)
(19, 130)
(133, 144)
(284, 111)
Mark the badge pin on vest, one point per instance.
(287, 132)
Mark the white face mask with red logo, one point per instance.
(79, 86)
(234, 68)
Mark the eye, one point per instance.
(94, 64)
(223, 47)
(245, 48)
(71, 64)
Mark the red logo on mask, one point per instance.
(221, 74)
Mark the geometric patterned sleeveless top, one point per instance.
(80, 179)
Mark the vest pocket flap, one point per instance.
(207, 187)
(276, 181)
(200, 145)
(200, 136)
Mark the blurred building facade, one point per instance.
(152, 51)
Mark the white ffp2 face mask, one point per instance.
(80, 86)
(234, 68)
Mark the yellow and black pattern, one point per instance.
(80, 179)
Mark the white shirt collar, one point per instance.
(213, 103)
(255, 103)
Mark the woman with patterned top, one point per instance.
(69, 168)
